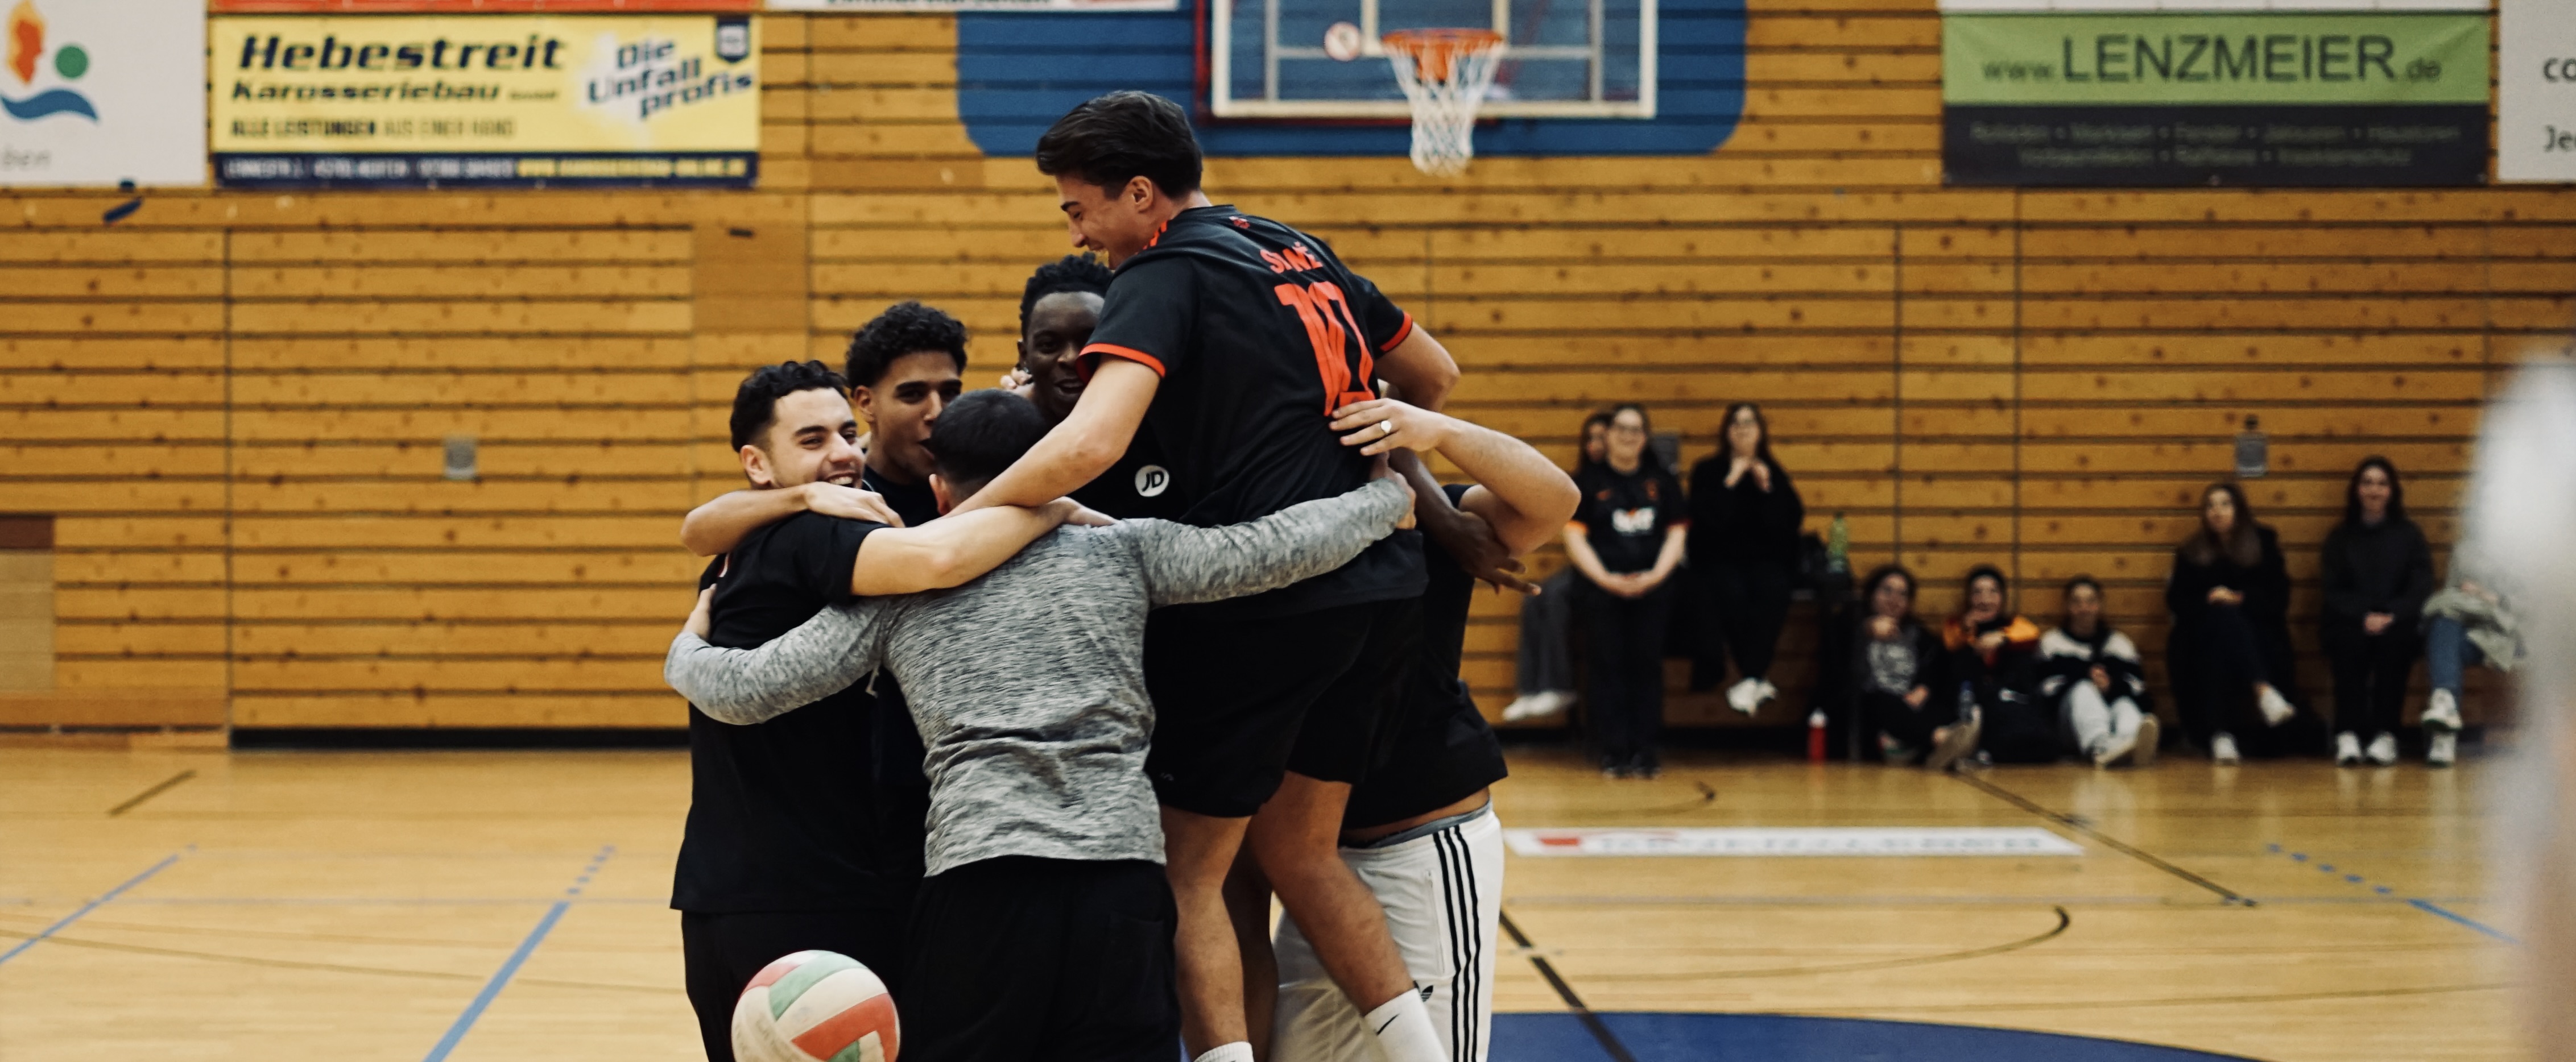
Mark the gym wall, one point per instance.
(234, 407)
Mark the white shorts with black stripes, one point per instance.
(1443, 894)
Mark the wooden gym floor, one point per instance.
(511, 905)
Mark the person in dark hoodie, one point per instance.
(1745, 516)
(2230, 598)
(1994, 659)
(2376, 570)
(2091, 673)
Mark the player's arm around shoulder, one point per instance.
(1185, 564)
(1519, 493)
(955, 549)
(823, 656)
(724, 521)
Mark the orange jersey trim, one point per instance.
(1114, 350)
(1401, 334)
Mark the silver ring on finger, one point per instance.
(1385, 428)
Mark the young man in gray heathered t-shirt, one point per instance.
(1045, 927)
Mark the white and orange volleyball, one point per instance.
(815, 1006)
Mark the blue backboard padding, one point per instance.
(1791, 1038)
(1017, 73)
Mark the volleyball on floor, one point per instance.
(815, 1006)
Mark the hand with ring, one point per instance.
(1383, 424)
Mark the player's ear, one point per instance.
(1140, 192)
(864, 399)
(755, 467)
(939, 490)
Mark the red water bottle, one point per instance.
(1816, 736)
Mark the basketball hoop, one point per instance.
(1445, 73)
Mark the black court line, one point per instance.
(1707, 798)
(1592, 1022)
(2225, 894)
(166, 785)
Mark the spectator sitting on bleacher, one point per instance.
(2376, 570)
(1888, 679)
(2092, 674)
(2469, 621)
(1545, 669)
(2230, 597)
(1994, 661)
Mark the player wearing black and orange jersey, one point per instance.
(1236, 338)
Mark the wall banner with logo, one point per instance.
(100, 94)
(2306, 98)
(2536, 91)
(486, 100)
(1041, 6)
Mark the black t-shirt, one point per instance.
(781, 814)
(1441, 750)
(1259, 334)
(1625, 514)
(903, 789)
(1138, 487)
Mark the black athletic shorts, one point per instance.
(1024, 959)
(1239, 702)
(720, 953)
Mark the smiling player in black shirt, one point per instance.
(1235, 338)
(1059, 308)
(784, 850)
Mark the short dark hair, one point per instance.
(1073, 272)
(1110, 140)
(755, 403)
(2083, 580)
(907, 327)
(981, 433)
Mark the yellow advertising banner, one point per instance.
(412, 101)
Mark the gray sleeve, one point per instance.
(826, 655)
(1185, 564)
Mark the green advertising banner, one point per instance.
(2173, 98)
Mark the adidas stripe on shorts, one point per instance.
(1443, 894)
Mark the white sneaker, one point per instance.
(1538, 705)
(2442, 711)
(2222, 750)
(2383, 749)
(2276, 708)
(2445, 749)
(1767, 694)
(1745, 696)
(2114, 749)
(2347, 750)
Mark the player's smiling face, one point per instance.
(811, 440)
(1116, 222)
(1059, 325)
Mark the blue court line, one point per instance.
(510, 968)
(2430, 907)
(93, 905)
(2419, 903)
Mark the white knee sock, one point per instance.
(1238, 1051)
(1404, 1030)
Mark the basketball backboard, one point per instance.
(1562, 58)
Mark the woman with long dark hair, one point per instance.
(1895, 663)
(1626, 541)
(2230, 645)
(1745, 515)
(2376, 570)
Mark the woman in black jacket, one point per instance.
(2377, 570)
(1745, 516)
(2230, 647)
(1890, 666)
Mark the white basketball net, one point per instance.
(1445, 74)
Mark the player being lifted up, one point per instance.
(1235, 338)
